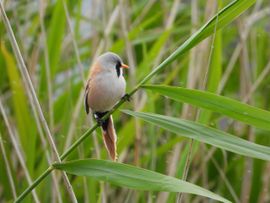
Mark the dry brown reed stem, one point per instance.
(47, 153)
(18, 150)
(74, 42)
(225, 179)
(125, 24)
(144, 12)
(173, 160)
(253, 18)
(168, 25)
(140, 102)
(221, 171)
(77, 55)
(212, 6)
(191, 82)
(33, 97)
(209, 156)
(196, 69)
(245, 85)
(254, 87)
(264, 195)
(257, 82)
(8, 168)
(42, 8)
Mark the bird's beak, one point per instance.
(124, 65)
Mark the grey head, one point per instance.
(111, 62)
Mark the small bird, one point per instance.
(105, 87)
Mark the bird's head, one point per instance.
(110, 62)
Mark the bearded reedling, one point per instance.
(105, 87)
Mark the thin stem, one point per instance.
(10, 178)
(18, 150)
(254, 17)
(226, 181)
(187, 165)
(245, 86)
(35, 183)
(74, 41)
(180, 195)
(124, 18)
(79, 141)
(33, 97)
(74, 119)
(42, 9)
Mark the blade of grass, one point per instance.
(132, 177)
(22, 113)
(243, 112)
(205, 134)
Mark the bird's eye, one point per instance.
(118, 67)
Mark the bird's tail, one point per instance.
(109, 137)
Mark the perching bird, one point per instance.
(105, 87)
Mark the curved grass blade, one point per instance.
(205, 134)
(224, 105)
(132, 177)
(22, 113)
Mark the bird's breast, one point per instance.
(105, 91)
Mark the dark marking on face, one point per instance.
(118, 67)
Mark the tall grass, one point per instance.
(58, 41)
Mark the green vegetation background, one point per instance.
(58, 47)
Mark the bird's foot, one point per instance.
(126, 97)
(98, 120)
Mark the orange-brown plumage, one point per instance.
(110, 138)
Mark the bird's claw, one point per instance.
(98, 120)
(126, 97)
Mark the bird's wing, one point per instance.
(95, 69)
(86, 91)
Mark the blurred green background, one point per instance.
(60, 39)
